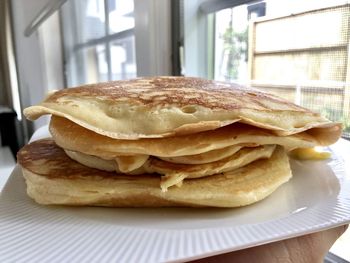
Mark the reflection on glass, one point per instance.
(99, 43)
(123, 64)
(231, 40)
(121, 16)
(89, 66)
(90, 19)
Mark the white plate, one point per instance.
(318, 197)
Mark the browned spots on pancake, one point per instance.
(180, 91)
(45, 158)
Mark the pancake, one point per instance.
(71, 136)
(93, 161)
(174, 174)
(107, 165)
(128, 143)
(130, 163)
(170, 106)
(207, 157)
(53, 178)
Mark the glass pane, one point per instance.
(88, 62)
(121, 15)
(88, 65)
(123, 63)
(231, 44)
(89, 19)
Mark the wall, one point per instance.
(3, 93)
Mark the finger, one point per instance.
(309, 248)
(316, 245)
(331, 235)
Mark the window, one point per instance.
(99, 41)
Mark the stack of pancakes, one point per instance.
(166, 141)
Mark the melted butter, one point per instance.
(315, 153)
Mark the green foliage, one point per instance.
(346, 124)
(236, 48)
(338, 116)
(331, 113)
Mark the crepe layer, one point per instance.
(174, 174)
(71, 136)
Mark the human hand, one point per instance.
(310, 248)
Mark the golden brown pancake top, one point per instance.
(181, 91)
